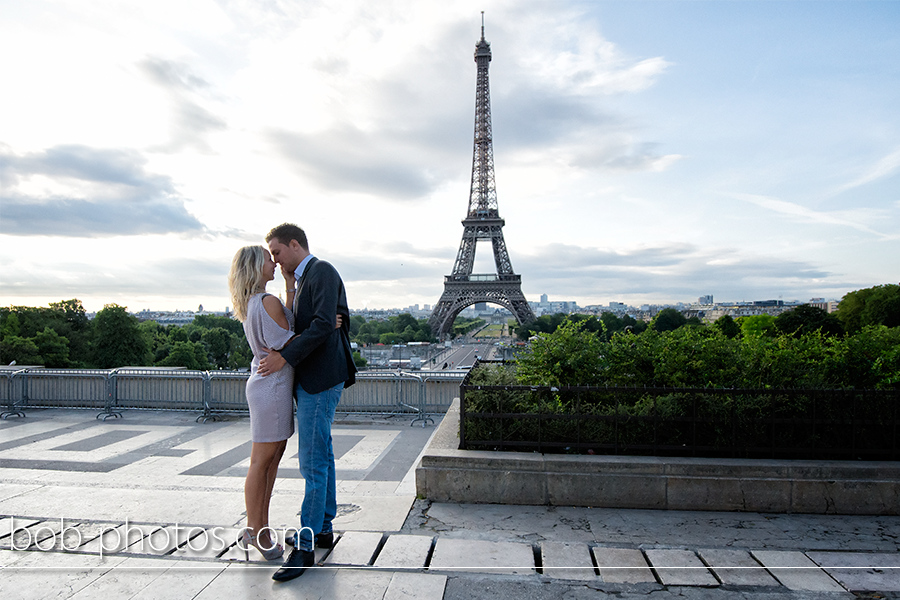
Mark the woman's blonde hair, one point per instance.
(244, 277)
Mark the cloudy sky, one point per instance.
(644, 151)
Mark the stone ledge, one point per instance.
(447, 474)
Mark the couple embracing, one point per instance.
(302, 350)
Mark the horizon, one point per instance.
(646, 152)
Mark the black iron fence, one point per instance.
(835, 424)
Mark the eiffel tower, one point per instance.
(483, 222)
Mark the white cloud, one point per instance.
(845, 218)
(195, 126)
(885, 167)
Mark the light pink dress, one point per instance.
(271, 398)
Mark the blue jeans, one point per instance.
(315, 414)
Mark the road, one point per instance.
(463, 356)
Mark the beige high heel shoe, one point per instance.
(249, 539)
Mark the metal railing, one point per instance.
(210, 393)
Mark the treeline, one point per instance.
(879, 305)
(859, 346)
(61, 336)
(402, 329)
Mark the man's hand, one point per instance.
(340, 321)
(272, 363)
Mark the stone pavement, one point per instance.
(148, 507)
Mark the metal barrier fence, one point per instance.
(211, 392)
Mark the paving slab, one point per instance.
(164, 540)
(181, 582)
(680, 567)
(134, 575)
(796, 571)
(240, 581)
(74, 536)
(211, 543)
(10, 528)
(737, 568)
(861, 571)
(69, 573)
(481, 556)
(117, 538)
(562, 560)
(416, 586)
(622, 565)
(402, 551)
(354, 548)
(10, 557)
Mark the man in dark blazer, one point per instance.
(323, 366)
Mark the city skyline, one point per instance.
(645, 152)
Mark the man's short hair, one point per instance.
(286, 232)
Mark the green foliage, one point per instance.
(463, 325)
(118, 340)
(190, 355)
(53, 348)
(715, 416)
(66, 318)
(879, 305)
(232, 326)
(21, 350)
(568, 356)
(727, 326)
(668, 319)
(359, 361)
(807, 319)
(400, 329)
(757, 325)
(543, 324)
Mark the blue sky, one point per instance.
(644, 151)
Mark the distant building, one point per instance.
(705, 300)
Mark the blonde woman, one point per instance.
(267, 324)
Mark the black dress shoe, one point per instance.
(296, 564)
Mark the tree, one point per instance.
(807, 319)
(568, 356)
(118, 340)
(232, 326)
(879, 305)
(71, 323)
(668, 319)
(21, 350)
(53, 348)
(217, 342)
(727, 326)
(757, 325)
(543, 324)
(190, 355)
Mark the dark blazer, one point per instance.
(321, 354)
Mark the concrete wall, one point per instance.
(447, 474)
